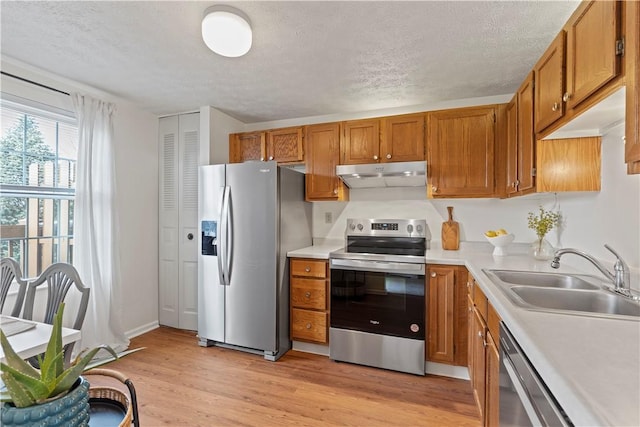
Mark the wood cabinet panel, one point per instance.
(246, 146)
(549, 89)
(308, 268)
(460, 335)
(591, 49)
(526, 142)
(460, 151)
(492, 398)
(308, 293)
(632, 77)
(478, 373)
(309, 325)
(285, 145)
(441, 314)
(512, 146)
(402, 138)
(360, 143)
(322, 153)
(571, 164)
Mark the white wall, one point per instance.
(215, 127)
(136, 157)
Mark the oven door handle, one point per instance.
(382, 266)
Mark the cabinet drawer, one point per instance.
(309, 325)
(493, 322)
(480, 301)
(309, 268)
(308, 293)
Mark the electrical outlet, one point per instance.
(328, 217)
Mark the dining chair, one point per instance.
(10, 271)
(59, 277)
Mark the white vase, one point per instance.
(541, 249)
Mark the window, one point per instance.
(37, 186)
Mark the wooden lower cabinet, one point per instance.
(309, 300)
(484, 356)
(446, 314)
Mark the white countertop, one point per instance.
(316, 251)
(590, 364)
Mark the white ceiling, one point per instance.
(307, 59)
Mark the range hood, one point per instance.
(376, 175)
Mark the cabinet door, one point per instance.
(322, 143)
(549, 77)
(632, 76)
(461, 152)
(492, 399)
(246, 146)
(479, 363)
(285, 145)
(526, 137)
(441, 314)
(591, 50)
(402, 138)
(512, 146)
(360, 143)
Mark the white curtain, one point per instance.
(95, 225)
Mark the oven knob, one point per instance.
(352, 226)
(419, 228)
(409, 228)
(360, 227)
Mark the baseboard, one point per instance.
(142, 329)
(322, 350)
(433, 368)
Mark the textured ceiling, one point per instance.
(307, 59)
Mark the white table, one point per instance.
(34, 341)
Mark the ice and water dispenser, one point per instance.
(209, 238)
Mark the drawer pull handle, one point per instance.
(308, 325)
(307, 269)
(307, 294)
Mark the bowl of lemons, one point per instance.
(500, 239)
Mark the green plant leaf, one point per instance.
(27, 384)
(19, 395)
(14, 360)
(69, 377)
(54, 347)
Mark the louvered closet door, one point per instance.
(188, 220)
(168, 223)
(178, 270)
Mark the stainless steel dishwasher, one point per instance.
(524, 398)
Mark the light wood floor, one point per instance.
(181, 384)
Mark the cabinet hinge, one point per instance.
(533, 171)
(620, 47)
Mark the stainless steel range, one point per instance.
(378, 294)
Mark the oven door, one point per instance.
(378, 297)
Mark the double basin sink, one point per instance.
(563, 293)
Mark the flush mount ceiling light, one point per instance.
(226, 31)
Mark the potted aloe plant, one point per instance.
(51, 395)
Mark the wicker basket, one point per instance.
(112, 394)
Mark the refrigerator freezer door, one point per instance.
(211, 290)
(250, 316)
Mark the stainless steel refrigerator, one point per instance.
(250, 215)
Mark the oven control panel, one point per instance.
(388, 227)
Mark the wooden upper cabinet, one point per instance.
(285, 145)
(632, 76)
(593, 57)
(360, 143)
(512, 146)
(402, 138)
(570, 164)
(525, 182)
(549, 88)
(322, 153)
(460, 152)
(246, 146)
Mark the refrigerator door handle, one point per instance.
(222, 256)
(229, 254)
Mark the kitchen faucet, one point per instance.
(620, 279)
